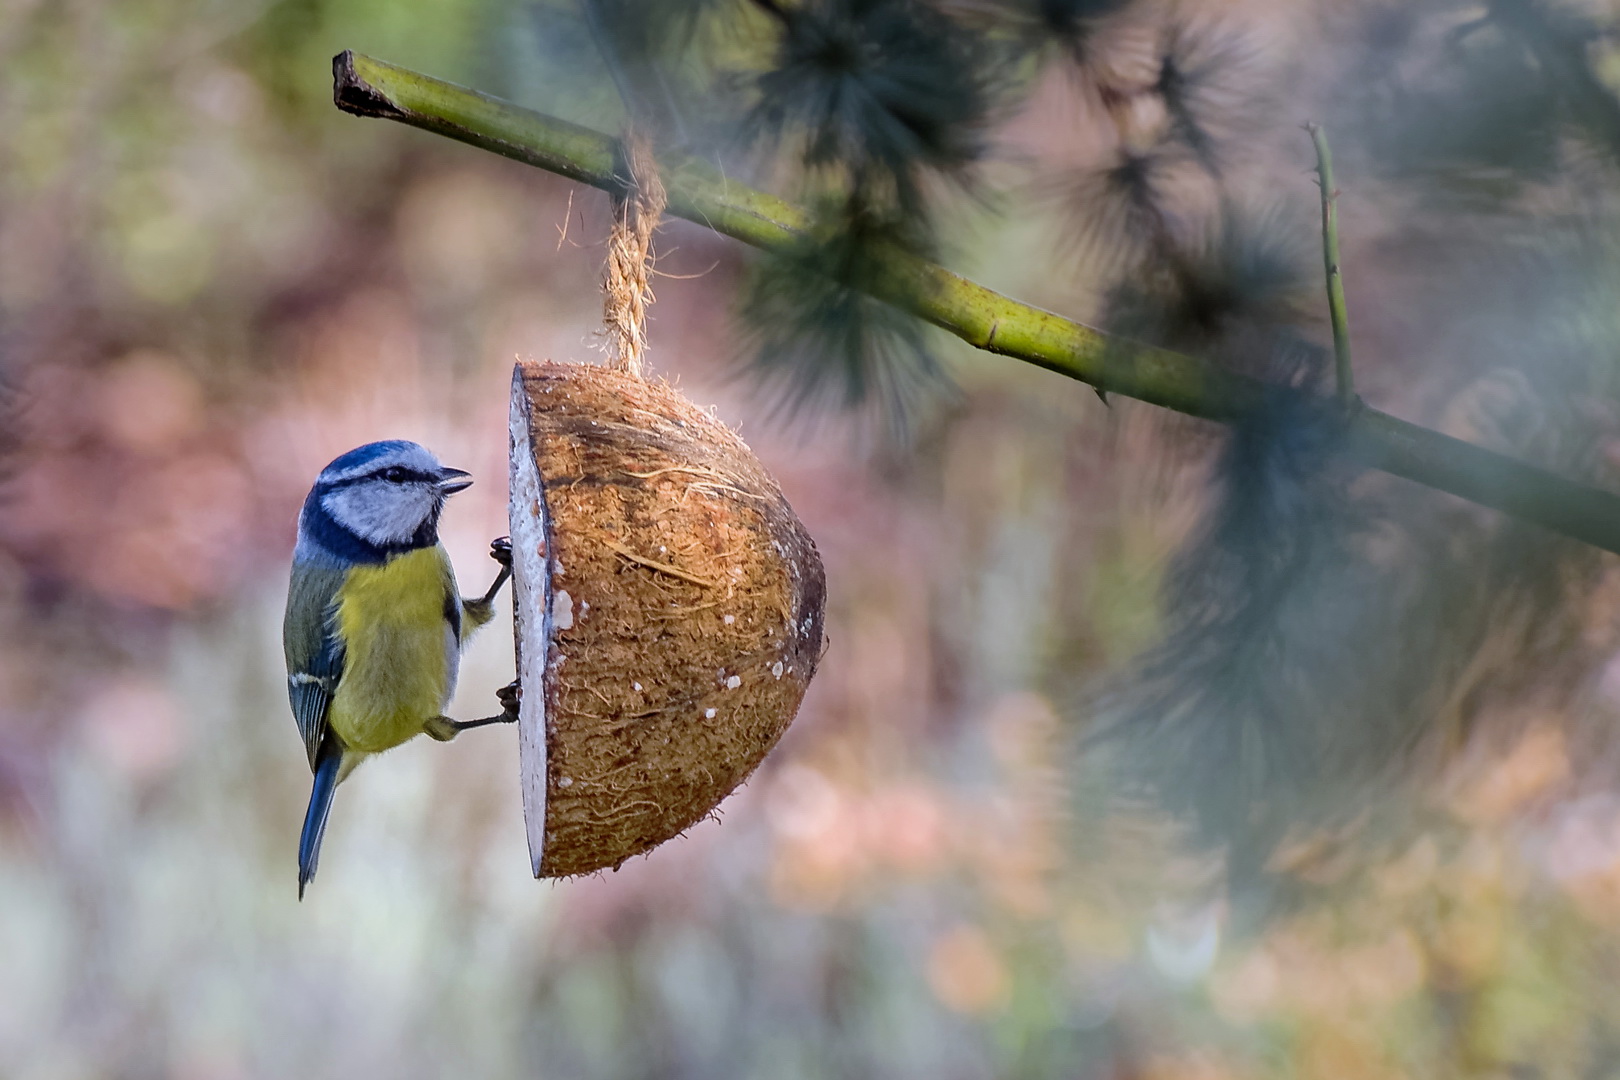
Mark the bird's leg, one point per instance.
(479, 610)
(444, 729)
(501, 551)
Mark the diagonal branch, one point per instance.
(982, 317)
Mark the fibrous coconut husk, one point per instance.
(668, 607)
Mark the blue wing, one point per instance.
(313, 649)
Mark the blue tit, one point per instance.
(374, 624)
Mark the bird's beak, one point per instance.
(453, 480)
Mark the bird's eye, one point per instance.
(396, 475)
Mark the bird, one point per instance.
(375, 624)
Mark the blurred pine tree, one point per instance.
(1299, 667)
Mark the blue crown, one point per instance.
(363, 455)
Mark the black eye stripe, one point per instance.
(380, 474)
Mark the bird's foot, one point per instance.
(443, 729)
(501, 551)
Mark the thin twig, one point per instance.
(1338, 311)
(562, 230)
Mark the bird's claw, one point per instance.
(501, 551)
(509, 696)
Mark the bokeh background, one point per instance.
(212, 282)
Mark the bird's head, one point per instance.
(387, 495)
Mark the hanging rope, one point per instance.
(627, 292)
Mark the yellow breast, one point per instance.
(401, 655)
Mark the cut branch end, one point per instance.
(353, 94)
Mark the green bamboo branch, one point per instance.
(1338, 310)
(982, 317)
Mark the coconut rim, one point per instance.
(530, 526)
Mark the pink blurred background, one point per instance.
(212, 283)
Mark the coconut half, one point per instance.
(668, 608)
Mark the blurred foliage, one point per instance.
(1141, 750)
(819, 338)
(858, 83)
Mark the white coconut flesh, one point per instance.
(532, 602)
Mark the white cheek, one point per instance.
(378, 513)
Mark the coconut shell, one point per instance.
(668, 607)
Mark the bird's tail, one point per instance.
(327, 761)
